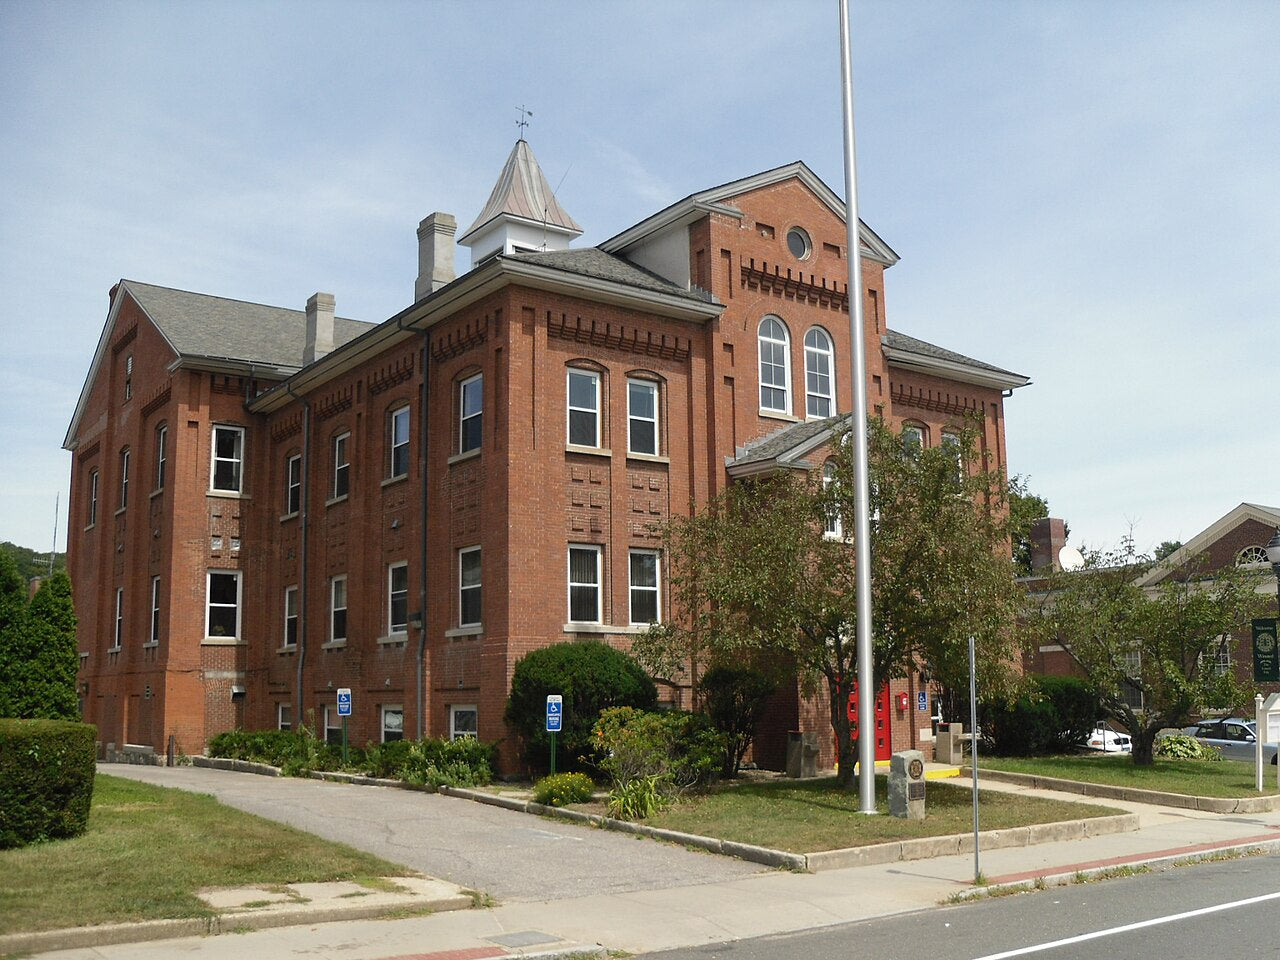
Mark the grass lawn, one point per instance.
(814, 815)
(1197, 778)
(149, 849)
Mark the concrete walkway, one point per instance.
(619, 892)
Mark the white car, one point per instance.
(1106, 740)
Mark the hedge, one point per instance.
(46, 780)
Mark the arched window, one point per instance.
(775, 366)
(1251, 556)
(818, 382)
(912, 440)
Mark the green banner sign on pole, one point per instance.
(1266, 657)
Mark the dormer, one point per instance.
(522, 214)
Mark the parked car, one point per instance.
(1233, 736)
(1106, 740)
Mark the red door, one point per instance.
(884, 743)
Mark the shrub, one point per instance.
(465, 762)
(1179, 746)
(677, 750)
(592, 677)
(1056, 715)
(46, 780)
(561, 789)
(735, 699)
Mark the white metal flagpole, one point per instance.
(861, 505)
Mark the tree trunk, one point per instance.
(1144, 742)
(846, 747)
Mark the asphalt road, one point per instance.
(509, 855)
(1224, 909)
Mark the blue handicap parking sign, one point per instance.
(555, 710)
(344, 702)
(922, 702)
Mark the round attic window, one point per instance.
(799, 244)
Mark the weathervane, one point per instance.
(523, 122)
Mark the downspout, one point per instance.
(302, 574)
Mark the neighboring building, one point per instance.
(270, 504)
(1237, 539)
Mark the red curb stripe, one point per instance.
(1134, 858)
(469, 953)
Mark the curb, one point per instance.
(74, 938)
(1167, 862)
(1158, 798)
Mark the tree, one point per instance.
(735, 698)
(1150, 652)
(32, 563)
(38, 652)
(13, 611)
(1166, 548)
(754, 578)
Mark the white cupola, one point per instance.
(522, 215)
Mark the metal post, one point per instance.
(973, 753)
(1259, 725)
(553, 753)
(858, 387)
(345, 758)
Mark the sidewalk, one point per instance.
(680, 914)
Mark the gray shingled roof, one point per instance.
(199, 325)
(593, 262)
(900, 341)
(776, 445)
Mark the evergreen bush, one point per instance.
(46, 780)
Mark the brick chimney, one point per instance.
(1048, 536)
(319, 327)
(435, 253)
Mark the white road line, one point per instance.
(1022, 951)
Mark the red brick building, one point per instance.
(270, 504)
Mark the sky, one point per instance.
(1087, 193)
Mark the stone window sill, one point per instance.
(223, 642)
(228, 495)
(470, 630)
(288, 648)
(588, 451)
(334, 645)
(393, 638)
(459, 457)
(604, 628)
(779, 415)
(649, 457)
(392, 481)
(332, 500)
(289, 516)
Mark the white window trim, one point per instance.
(93, 498)
(476, 586)
(599, 584)
(657, 438)
(392, 628)
(154, 639)
(829, 353)
(836, 521)
(208, 604)
(594, 376)
(117, 637)
(454, 710)
(340, 442)
(285, 642)
(761, 339)
(382, 720)
(280, 711)
(331, 712)
(656, 589)
(333, 608)
(393, 447)
(124, 478)
(162, 458)
(213, 458)
(463, 416)
(292, 463)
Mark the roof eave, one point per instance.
(963, 372)
(681, 213)
(467, 289)
(755, 468)
(549, 226)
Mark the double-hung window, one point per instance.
(155, 611)
(470, 413)
(338, 610)
(124, 478)
(118, 638)
(162, 440)
(645, 598)
(819, 391)
(775, 365)
(398, 439)
(463, 721)
(284, 716)
(93, 498)
(584, 408)
(222, 609)
(912, 440)
(392, 723)
(293, 485)
(227, 468)
(290, 616)
(397, 598)
(642, 417)
(469, 593)
(341, 466)
(584, 584)
(332, 726)
(833, 525)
